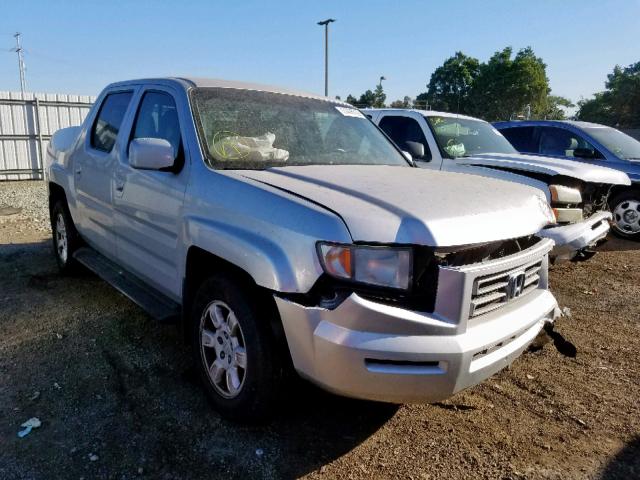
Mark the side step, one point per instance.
(155, 303)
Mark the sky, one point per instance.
(79, 47)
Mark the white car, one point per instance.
(577, 192)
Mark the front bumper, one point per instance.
(429, 361)
(570, 239)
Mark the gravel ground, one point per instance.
(118, 398)
(24, 205)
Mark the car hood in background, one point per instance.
(548, 166)
(404, 205)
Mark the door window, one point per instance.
(158, 118)
(522, 138)
(563, 143)
(405, 129)
(107, 125)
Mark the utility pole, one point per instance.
(19, 50)
(326, 53)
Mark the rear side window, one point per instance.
(404, 129)
(107, 125)
(522, 138)
(158, 118)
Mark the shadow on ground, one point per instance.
(626, 464)
(110, 384)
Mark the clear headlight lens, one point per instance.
(380, 266)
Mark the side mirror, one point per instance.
(584, 153)
(416, 149)
(151, 154)
(407, 155)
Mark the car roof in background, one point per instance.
(191, 82)
(533, 123)
(426, 113)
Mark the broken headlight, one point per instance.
(380, 266)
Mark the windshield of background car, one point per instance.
(621, 144)
(248, 129)
(461, 137)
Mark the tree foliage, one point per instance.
(404, 103)
(507, 86)
(501, 88)
(619, 104)
(450, 84)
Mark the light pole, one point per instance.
(326, 53)
(380, 83)
(19, 50)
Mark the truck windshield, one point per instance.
(621, 144)
(248, 129)
(461, 137)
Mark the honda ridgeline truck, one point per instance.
(283, 228)
(577, 192)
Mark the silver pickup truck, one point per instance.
(577, 192)
(280, 228)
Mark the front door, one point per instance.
(148, 203)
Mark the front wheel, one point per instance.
(234, 349)
(65, 237)
(626, 214)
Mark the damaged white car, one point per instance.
(578, 192)
(283, 228)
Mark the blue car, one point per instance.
(589, 143)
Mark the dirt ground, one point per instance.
(118, 397)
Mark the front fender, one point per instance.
(271, 265)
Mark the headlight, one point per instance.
(380, 266)
(565, 195)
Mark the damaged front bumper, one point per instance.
(371, 350)
(571, 239)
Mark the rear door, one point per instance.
(523, 139)
(148, 203)
(93, 167)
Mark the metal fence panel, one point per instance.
(26, 126)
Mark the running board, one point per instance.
(153, 302)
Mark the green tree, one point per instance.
(505, 86)
(367, 99)
(404, 103)
(450, 84)
(351, 99)
(619, 104)
(380, 96)
(555, 107)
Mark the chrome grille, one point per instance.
(495, 290)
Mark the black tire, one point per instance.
(60, 216)
(629, 201)
(263, 375)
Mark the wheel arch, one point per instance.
(201, 264)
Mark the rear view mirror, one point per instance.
(583, 153)
(416, 149)
(151, 154)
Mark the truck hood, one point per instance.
(385, 204)
(548, 166)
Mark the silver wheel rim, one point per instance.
(61, 238)
(627, 216)
(222, 347)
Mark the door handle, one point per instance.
(78, 170)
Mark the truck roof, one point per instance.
(426, 113)
(192, 82)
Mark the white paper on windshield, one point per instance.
(350, 112)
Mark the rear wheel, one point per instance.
(66, 239)
(626, 214)
(234, 349)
